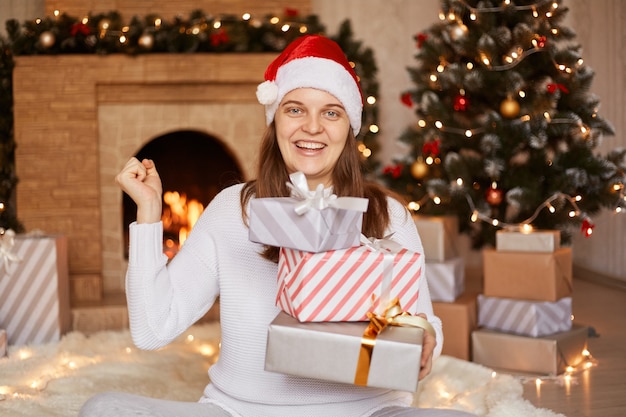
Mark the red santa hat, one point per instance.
(312, 61)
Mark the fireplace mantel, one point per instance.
(79, 118)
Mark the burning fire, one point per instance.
(179, 216)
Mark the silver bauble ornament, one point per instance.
(458, 32)
(47, 39)
(146, 41)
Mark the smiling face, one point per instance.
(311, 128)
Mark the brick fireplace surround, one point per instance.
(78, 118)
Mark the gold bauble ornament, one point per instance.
(419, 169)
(47, 39)
(509, 108)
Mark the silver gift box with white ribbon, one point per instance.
(311, 221)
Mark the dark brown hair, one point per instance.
(348, 180)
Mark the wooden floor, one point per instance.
(601, 390)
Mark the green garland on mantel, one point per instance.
(107, 33)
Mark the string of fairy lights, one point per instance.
(45, 370)
(510, 109)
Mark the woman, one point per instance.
(313, 106)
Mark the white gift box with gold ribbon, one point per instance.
(337, 352)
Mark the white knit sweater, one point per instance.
(218, 260)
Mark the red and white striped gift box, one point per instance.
(346, 284)
(34, 291)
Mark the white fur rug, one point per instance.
(54, 380)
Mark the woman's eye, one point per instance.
(294, 110)
(332, 113)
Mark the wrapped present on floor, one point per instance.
(545, 355)
(458, 319)
(34, 290)
(3, 343)
(528, 276)
(438, 234)
(346, 284)
(309, 221)
(352, 353)
(446, 279)
(527, 318)
(535, 241)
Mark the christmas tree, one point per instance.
(506, 126)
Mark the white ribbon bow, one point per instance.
(7, 241)
(320, 198)
(389, 248)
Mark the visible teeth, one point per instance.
(310, 145)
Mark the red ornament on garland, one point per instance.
(493, 196)
(219, 38)
(461, 103)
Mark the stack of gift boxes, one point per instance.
(34, 289)
(445, 268)
(525, 311)
(341, 294)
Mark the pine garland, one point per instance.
(108, 33)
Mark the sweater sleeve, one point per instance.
(165, 298)
(405, 232)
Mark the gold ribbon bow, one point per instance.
(393, 316)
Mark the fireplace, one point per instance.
(193, 167)
(78, 122)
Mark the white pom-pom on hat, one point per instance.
(267, 92)
(312, 61)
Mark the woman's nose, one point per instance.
(312, 125)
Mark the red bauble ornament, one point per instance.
(493, 196)
(406, 99)
(541, 41)
(461, 103)
(587, 228)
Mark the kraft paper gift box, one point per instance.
(546, 355)
(459, 320)
(528, 276)
(438, 234)
(346, 284)
(536, 241)
(330, 351)
(34, 290)
(313, 222)
(446, 280)
(527, 318)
